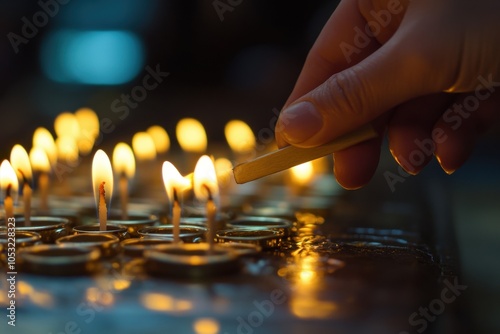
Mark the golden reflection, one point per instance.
(100, 297)
(39, 298)
(121, 284)
(165, 303)
(206, 326)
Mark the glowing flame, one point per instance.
(144, 146)
(172, 179)
(205, 179)
(66, 125)
(39, 160)
(43, 138)
(102, 172)
(206, 326)
(20, 162)
(302, 174)
(239, 136)
(89, 129)
(160, 138)
(123, 160)
(8, 177)
(67, 148)
(191, 135)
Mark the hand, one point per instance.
(428, 73)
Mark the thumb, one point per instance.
(359, 94)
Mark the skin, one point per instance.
(419, 71)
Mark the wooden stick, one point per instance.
(290, 156)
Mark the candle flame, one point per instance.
(20, 162)
(89, 129)
(66, 125)
(102, 175)
(205, 179)
(39, 160)
(160, 138)
(123, 160)
(191, 135)
(9, 183)
(144, 146)
(302, 174)
(172, 179)
(67, 148)
(239, 136)
(43, 138)
(224, 170)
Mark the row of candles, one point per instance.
(76, 135)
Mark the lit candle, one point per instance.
(124, 168)
(66, 125)
(43, 138)
(241, 139)
(89, 129)
(192, 139)
(102, 180)
(20, 162)
(9, 186)
(41, 164)
(206, 189)
(144, 146)
(300, 176)
(67, 150)
(160, 138)
(175, 184)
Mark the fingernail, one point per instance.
(448, 171)
(299, 122)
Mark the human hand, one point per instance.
(429, 75)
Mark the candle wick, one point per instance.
(210, 198)
(175, 196)
(8, 190)
(102, 191)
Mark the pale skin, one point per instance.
(421, 77)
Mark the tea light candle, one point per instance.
(175, 184)
(9, 185)
(41, 164)
(102, 180)
(124, 167)
(20, 162)
(206, 189)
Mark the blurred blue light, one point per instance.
(92, 57)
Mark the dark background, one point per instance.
(241, 67)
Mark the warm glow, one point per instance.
(67, 148)
(102, 172)
(160, 138)
(123, 160)
(43, 138)
(206, 326)
(39, 160)
(99, 297)
(308, 307)
(204, 176)
(172, 179)
(20, 161)
(164, 303)
(239, 136)
(89, 129)
(144, 146)
(8, 177)
(66, 125)
(223, 169)
(302, 174)
(191, 135)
